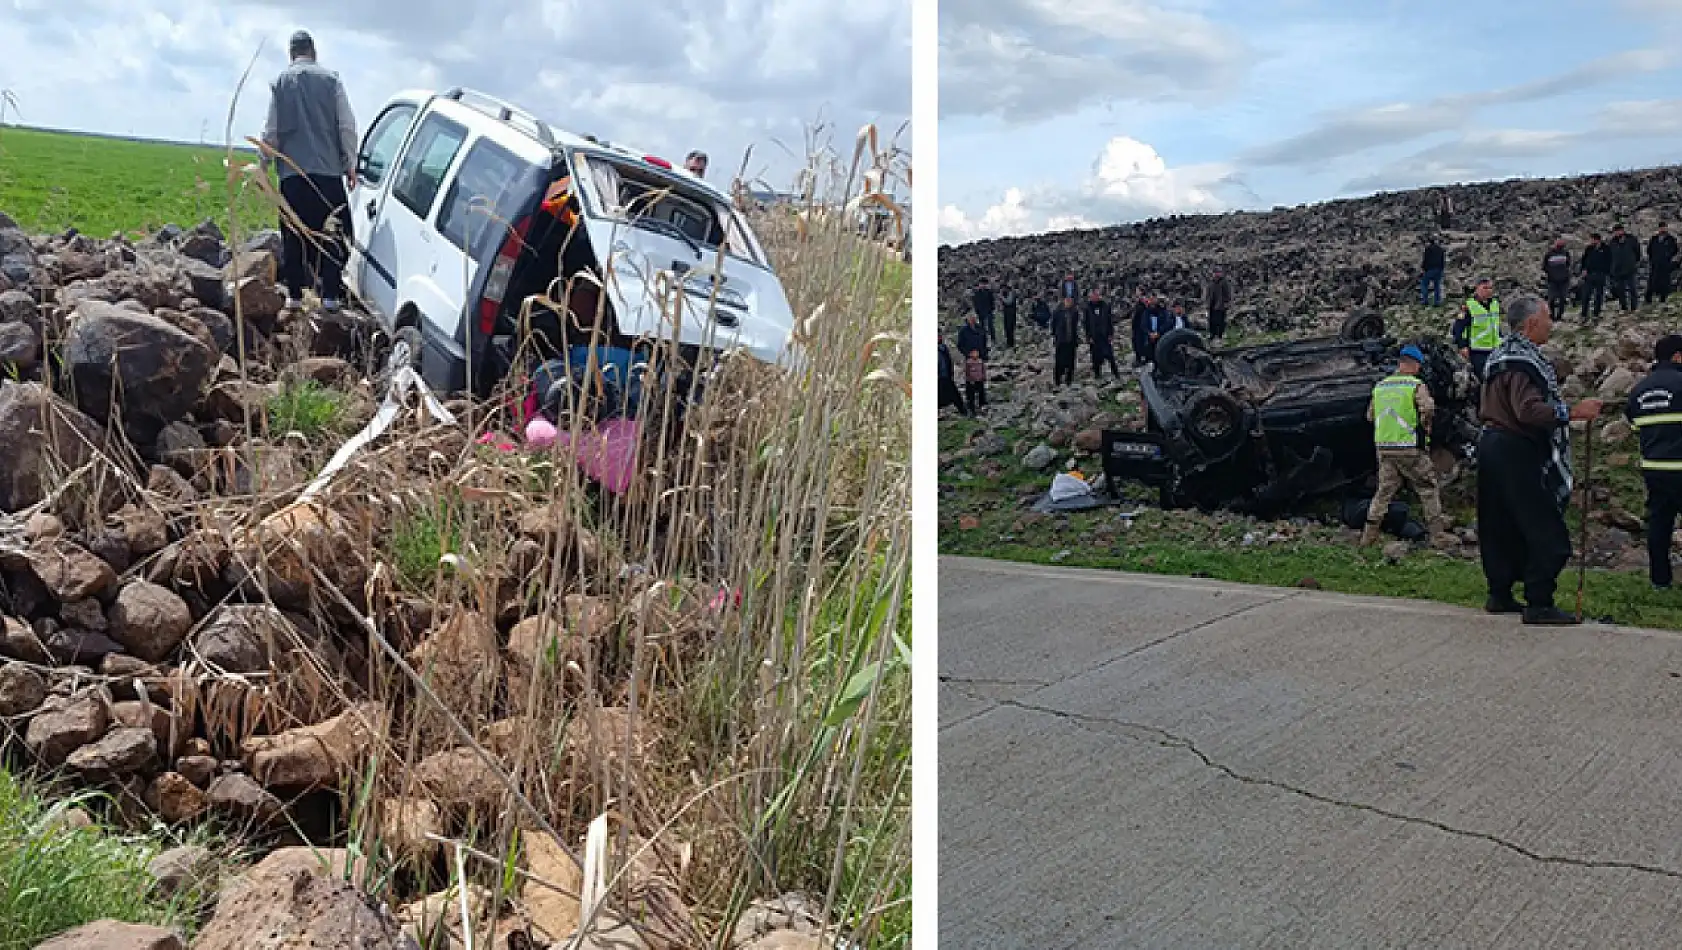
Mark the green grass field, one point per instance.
(50, 181)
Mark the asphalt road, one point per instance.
(1135, 761)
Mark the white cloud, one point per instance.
(666, 75)
(1129, 181)
(1022, 60)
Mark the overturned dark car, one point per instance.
(1261, 428)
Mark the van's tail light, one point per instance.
(501, 270)
(652, 160)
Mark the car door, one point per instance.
(369, 274)
(473, 203)
(404, 225)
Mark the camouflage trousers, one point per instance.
(1414, 467)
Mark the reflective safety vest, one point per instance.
(1655, 409)
(1486, 323)
(1663, 434)
(1395, 414)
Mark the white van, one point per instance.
(451, 234)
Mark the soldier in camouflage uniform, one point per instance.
(1400, 412)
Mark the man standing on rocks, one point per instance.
(1100, 335)
(1655, 409)
(983, 301)
(1624, 259)
(1661, 264)
(1431, 273)
(972, 337)
(1007, 303)
(1065, 338)
(312, 134)
(1478, 331)
(949, 393)
(1524, 469)
(1069, 289)
(1556, 269)
(1219, 299)
(1400, 412)
(1597, 264)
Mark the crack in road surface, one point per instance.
(1146, 733)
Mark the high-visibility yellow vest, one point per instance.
(1486, 323)
(1395, 413)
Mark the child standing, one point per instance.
(975, 382)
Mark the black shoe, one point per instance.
(1549, 617)
(1497, 605)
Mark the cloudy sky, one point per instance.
(1075, 113)
(665, 75)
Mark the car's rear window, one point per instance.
(477, 196)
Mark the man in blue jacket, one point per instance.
(1655, 409)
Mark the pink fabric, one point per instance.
(609, 454)
(540, 433)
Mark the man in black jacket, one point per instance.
(1431, 274)
(971, 338)
(1042, 311)
(949, 392)
(1597, 261)
(1065, 339)
(1100, 335)
(1655, 409)
(1661, 263)
(1007, 307)
(1556, 269)
(1624, 257)
(1218, 296)
(982, 300)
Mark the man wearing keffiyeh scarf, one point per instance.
(1524, 468)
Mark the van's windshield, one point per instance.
(644, 196)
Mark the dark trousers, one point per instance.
(986, 321)
(1658, 285)
(1521, 531)
(1010, 327)
(1664, 505)
(1558, 295)
(1594, 292)
(1217, 324)
(1063, 363)
(950, 396)
(1431, 287)
(1103, 353)
(314, 261)
(1480, 358)
(976, 395)
(1623, 290)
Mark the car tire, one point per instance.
(1215, 422)
(1179, 354)
(1362, 325)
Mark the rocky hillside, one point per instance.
(450, 643)
(1291, 263)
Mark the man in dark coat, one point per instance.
(1556, 270)
(1431, 274)
(1100, 335)
(1624, 256)
(1524, 468)
(1065, 339)
(949, 392)
(1042, 311)
(983, 302)
(1661, 264)
(971, 338)
(1596, 265)
(1219, 300)
(1655, 409)
(1150, 322)
(1007, 309)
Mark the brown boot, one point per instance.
(1369, 536)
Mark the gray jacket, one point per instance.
(310, 121)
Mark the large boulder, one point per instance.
(286, 902)
(41, 438)
(149, 620)
(175, 799)
(65, 725)
(22, 690)
(69, 571)
(122, 751)
(244, 638)
(318, 756)
(281, 554)
(154, 372)
(115, 935)
(17, 306)
(239, 797)
(20, 347)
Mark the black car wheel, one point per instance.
(1362, 325)
(1215, 421)
(1181, 353)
